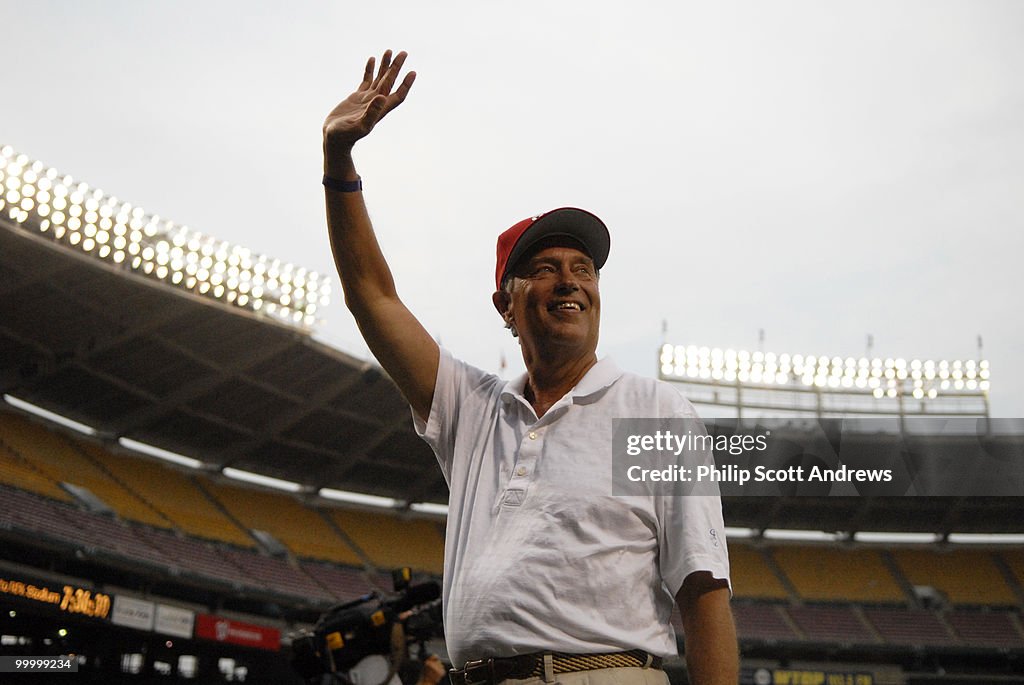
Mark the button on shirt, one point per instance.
(539, 554)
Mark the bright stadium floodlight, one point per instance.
(159, 453)
(260, 479)
(359, 498)
(801, 535)
(49, 415)
(887, 537)
(39, 199)
(429, 508)
(824, 386)
(986, 538)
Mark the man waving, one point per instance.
(548, 576)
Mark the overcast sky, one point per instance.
(819, 170)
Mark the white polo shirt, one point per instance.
(539, 554)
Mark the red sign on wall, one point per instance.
(220, 629)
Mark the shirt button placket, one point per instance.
(528, 454)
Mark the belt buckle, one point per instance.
(483, 667)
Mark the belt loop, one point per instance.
(549, 668)
(650, 660)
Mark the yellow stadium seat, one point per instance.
(964, 576)
(751, 575)
(393, 542)
(296, 526)
(830, 574)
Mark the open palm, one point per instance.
(356, 115)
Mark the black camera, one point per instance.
(371, 624)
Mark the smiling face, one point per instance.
(554, 301)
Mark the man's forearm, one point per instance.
(712, 652)
(365, 275)
(338, 164)
(393, 334)
(712, 655)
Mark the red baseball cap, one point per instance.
(570, 222)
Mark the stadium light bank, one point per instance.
(827, 387)
(47, 203)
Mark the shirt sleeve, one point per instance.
(457, 388)
(436, 430)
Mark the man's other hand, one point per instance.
(433, 671)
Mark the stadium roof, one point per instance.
(132, 357)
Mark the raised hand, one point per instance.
(398, 341)
(356, 115)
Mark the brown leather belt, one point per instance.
(493, 671)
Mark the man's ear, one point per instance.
(502, 302)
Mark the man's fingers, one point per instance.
(385, 62)
(357, 115)
(398, 97)
(367, 73)
(403, 90)
(392, 74)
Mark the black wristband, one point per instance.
(343, 186)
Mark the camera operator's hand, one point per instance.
(433, 671)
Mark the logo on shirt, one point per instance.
(714, 537)
(513, 498)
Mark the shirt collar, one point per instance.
(598, 377)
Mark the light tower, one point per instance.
(47, 204)
(826, 387)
